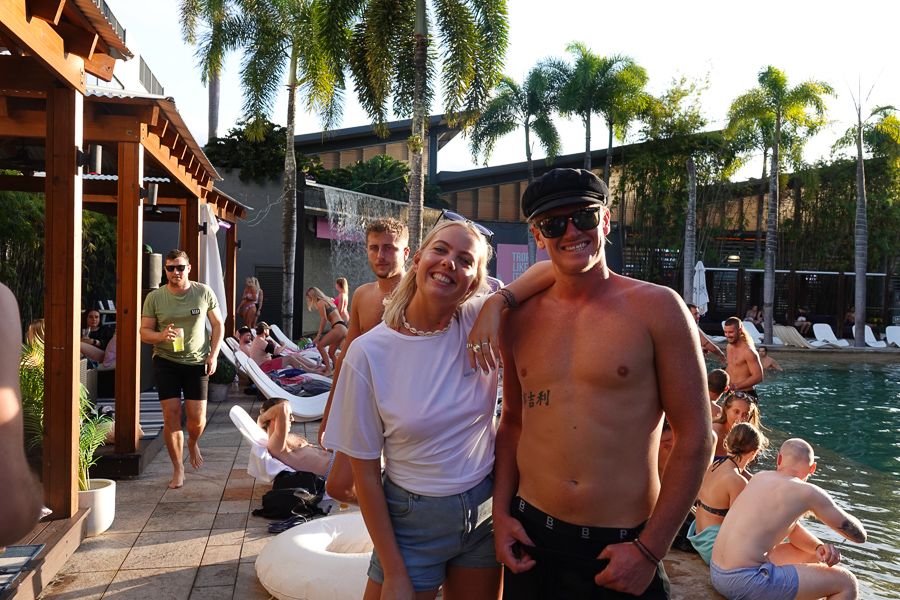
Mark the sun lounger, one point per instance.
(261, 465)
(276, 331)
(824, 333)
(308, 408)
(871, 342)
(757, 337)
(791, 337)
(227, 350)
(892, 332)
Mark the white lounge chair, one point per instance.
(824, 333)
(757, 337)
(871, 342)
(227, 350)
(304, 408)
(276, 331)
(892, 333)
(261, 465)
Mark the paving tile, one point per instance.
(216, 575)
(213, 593)
(167, 549)
(100, 553)
(234, 506)
(225, 537)
(247, 586)
(230, 521)
(238, 493)
(195, 488)
(240, 474)
(254, 541)
(131, 517)
(141, 491)
(215, 555)
(152, 584)
(179, 516)
(78, 586)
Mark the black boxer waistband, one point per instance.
(522, 510)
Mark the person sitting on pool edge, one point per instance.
(723, 481)
(763, 552)
(738, 407)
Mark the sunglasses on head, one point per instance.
(179, 268)
(583, 218)
(452, 216)
(744, 396)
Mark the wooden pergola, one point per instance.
(49, 113)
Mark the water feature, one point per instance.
(850, 413)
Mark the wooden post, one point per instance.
(190, 228)
(62, 301)
(230, 277)
(129, 243)
(741, 310)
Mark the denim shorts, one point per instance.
(765, 582)
(436, 532)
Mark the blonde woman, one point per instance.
(408, 390)
(251, 302)
(342, 300)
(327, 342)
(737, 407)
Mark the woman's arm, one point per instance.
(372, 504)
(322, 318)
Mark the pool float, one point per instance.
(325, 559)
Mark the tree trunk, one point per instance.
(587, 141)
(757, 249)
(532, 245)
(416, 140)
(771, 240)
(214, 92)
(690, 232)
(861, 241)
(289, 205)
(607, 166)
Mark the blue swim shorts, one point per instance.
(765, 582)
(436, 532)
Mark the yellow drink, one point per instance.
(178, 342)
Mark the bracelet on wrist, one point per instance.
(508, 297)
(646, 551)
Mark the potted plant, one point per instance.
(220, 380)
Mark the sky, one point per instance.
(851, 46)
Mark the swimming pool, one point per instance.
(850, 412)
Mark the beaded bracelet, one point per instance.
(645, 551)
(508, 297)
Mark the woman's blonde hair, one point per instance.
(252, 282)
(317, 295)
(35, 332)
(752, 417)
(406, 289)
(342, 284)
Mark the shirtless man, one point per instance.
(768, 363)
(717, 384)
(294, 451)
(749, 557)
(260, 349)
(706, 344)
(387, 248)
(743, 367)
(576, 474)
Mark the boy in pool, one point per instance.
(751, 560)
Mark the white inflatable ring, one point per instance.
(325, 559)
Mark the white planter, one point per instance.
(101, 499)
(217, 392)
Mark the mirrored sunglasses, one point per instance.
(179, 268)
(583, 218)
(452, 216)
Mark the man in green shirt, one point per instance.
(174, 321)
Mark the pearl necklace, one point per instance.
(415, 331)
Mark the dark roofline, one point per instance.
(364, 135)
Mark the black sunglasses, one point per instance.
(583, 218)
(179, 268)
(744, 396)
(452, 216)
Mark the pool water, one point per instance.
(850, 413)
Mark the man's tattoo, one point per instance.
(852, 531)
(530, 399)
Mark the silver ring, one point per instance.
(486, 343)
(469, 346)
(476, 347)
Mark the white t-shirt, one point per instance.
(417, 400)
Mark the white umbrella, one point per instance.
(210, 262)
(701, 297)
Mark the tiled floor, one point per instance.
(196, 542)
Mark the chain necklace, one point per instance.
(415, 331)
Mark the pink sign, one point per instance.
(512, 260)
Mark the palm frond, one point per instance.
(548, 135)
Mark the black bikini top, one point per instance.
(721, 512)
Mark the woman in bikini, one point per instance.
(739, 407)
(342, 300)
(251, 302)
(725, 478)
(332, 339)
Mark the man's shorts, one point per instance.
(434, 533)
(173, 378)
(765, 582)
(566, 557)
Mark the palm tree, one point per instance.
(610, 86)
(881, 136)
(284, 37)
(387, 47)
(212, 46)
(784, 105)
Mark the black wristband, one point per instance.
(646, 551)
(508, 297)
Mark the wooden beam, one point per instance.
(24, 73)
(77, 40)
(43, 42)
(48, 10)
(230, 278)
(151, 143)
(4, 108)
(62, 301)
(101, 66)
(129, 228)
(191, 242)
(113, 128)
